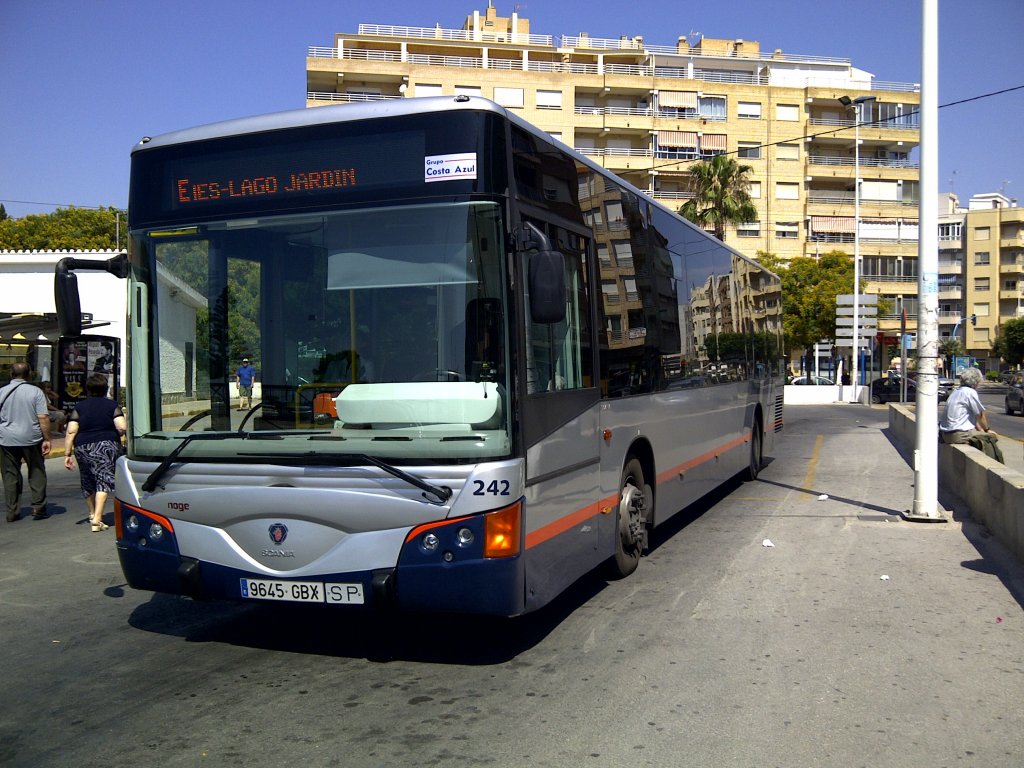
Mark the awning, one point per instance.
(712, 142)
(677, 139)
(678, 99)
(827, 225)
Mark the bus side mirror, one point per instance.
(546, 279)
(65, 297)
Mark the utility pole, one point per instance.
(926, 453)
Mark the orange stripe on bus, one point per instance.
(696, 461)
(563, 524)
(573, 519)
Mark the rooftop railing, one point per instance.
(632, 70)
(437, 33)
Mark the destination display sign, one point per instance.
(301, 169)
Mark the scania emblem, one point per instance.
(278, 532)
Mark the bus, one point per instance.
(485, 366)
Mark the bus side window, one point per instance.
(558, 355)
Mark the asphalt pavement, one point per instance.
(796, 621)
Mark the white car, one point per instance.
(820, 381)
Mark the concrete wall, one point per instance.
(993, 492)
(810, 395)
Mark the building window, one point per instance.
(950, 231)
(468, 90)
(982, 233)
(785, 190)
(749, 150)
(981, 309)
(427, 89)
(982, 284)
(787, 230)
(711, 107)
(755, 190)
(1009, 285)
(787, 152)
(749, 110)
(787, 112)
(509, 97)
(981, 258)
(748, 229)
(981, 335)
(549, 99)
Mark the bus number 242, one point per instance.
(493, 488)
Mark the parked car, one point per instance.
(1015, 397)
(944, 390)
(889, 390)
(820, 381)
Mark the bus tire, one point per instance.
(635, 498)
(756, 453)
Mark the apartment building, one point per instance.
(993, 270)
(647, 112)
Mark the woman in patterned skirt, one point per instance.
(94, 438)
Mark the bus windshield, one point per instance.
(378, 332)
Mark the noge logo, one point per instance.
(178, 506)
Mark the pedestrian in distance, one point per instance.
(245, 376)
(24, 437)
(965, 421)
(93, 439)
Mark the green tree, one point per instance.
(3, 212)
(65, 229)
(721, 194)
(809, 290)
(1010, 344)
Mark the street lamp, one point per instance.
(854, 104)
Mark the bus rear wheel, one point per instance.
(635, 497)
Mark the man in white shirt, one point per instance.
(24, 436)
(965, 421)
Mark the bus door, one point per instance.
(560, 422)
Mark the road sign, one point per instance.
(863, 322)
(847, 299)
(871, 310)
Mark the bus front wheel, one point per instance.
(635, 498)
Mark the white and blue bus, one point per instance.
(484, 365)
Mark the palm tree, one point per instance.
(721, 194)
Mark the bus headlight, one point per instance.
(465, 537)
(430, 542)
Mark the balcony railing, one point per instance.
(847, 198)
(590, 68)
(462, 35)
(346, 97)
(892, 123)
(869, 162)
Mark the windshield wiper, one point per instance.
(163, 466)
(441, 493)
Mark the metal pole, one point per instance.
(856, 249)
(926, 453)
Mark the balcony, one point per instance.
(950, 267)
(1011, 265)
(865, 162)
(346, 98)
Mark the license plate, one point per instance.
(302, 591)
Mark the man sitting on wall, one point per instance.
(964, 420)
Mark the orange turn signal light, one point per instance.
(503, 531)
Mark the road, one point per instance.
(720, 651)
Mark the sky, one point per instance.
(81, 81)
